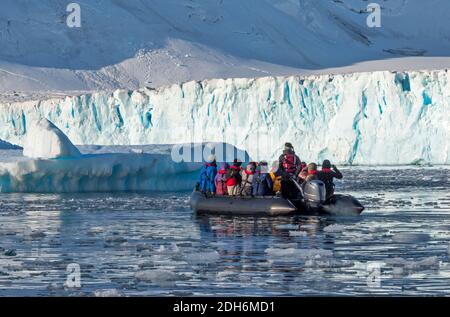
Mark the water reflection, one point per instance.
(152, 244)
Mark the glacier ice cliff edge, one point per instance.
(379, 118)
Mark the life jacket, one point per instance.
(221, 182)
(233, 175)
(289, 163)
(276, 180)
(247, 178)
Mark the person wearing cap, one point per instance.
(327, 175)
(312, 172)
(234, 178)
(247, 179)
(207, 175)
(289, 167)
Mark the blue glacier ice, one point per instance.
(378, 118)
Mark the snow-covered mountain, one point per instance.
(365, 118)
(133, 43)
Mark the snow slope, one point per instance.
(365, 118)
(130, 44)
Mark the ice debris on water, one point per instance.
(293, 253)
(286, 227)
(405, 237)
(158, 276)
(298, 233)
(202, 257)
(107, 293)
(334, 228)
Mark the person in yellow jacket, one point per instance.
(276, 178)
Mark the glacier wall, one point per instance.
(378, 118)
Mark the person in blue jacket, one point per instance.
(262, 182)
(207, 176)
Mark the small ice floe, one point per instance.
(225, 275)
(405, 237)
(413, 265)
(137, 151)
(286, 227)
(328, 263)
(107, 293)
(96, 230)
(334, 228)
(298, 233)
(293, 254)
(202, 257)
(55, 287)
(159, 277)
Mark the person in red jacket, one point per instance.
(234, 178)
(289, 168)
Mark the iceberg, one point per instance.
(97, 168)
(45, 140)
(377, 118)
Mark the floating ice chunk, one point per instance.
(415, 264)
(45, 141)
(404, 237)
(160, 277)
(334, 228)
(96, 230)
(107, 293)
(298, 233)
(286, 227)
(99, 172)
(293, 253)
(202, 257)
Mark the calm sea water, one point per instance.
(151, 244)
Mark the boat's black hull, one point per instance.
(270, 206)
(238, 205)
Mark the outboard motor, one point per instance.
(314, 193)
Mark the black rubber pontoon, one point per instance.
(241, 205)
